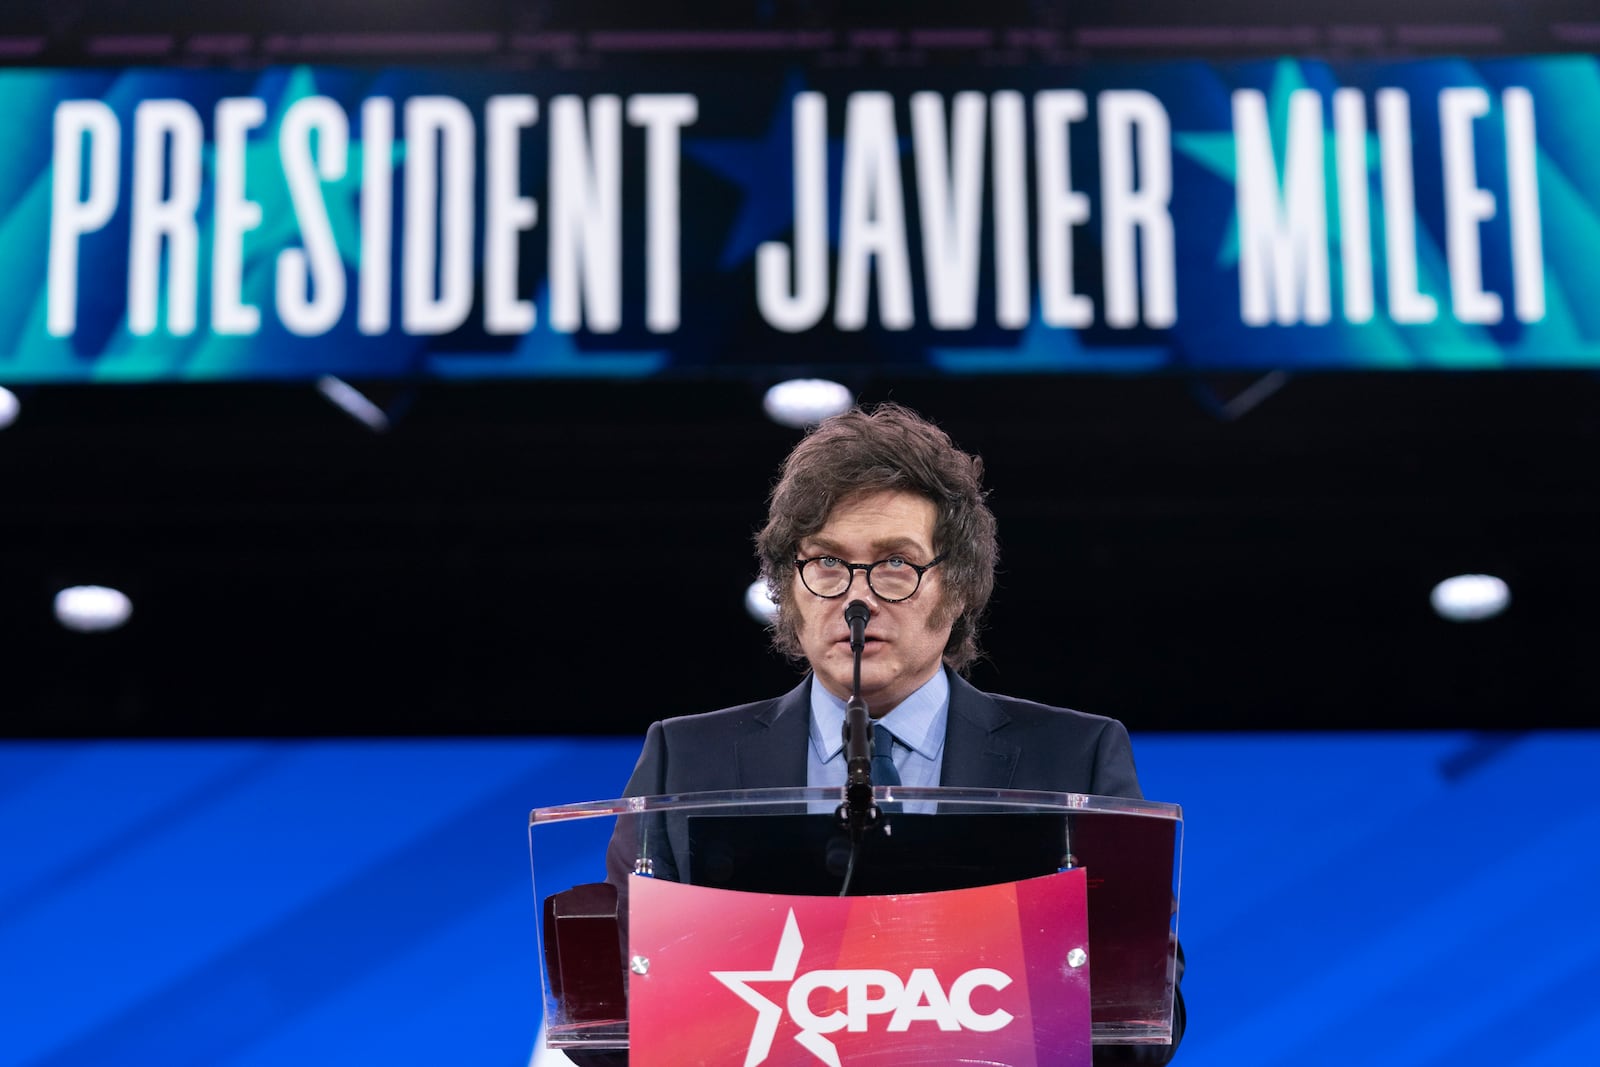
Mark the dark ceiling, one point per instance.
(92, 32)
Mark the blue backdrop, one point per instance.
(1396, 899)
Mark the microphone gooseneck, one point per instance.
(858, 811)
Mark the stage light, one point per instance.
(352, 402)
(801, 402)
(91, 609)
(1470, 597)
(761, 607)
(10, 407)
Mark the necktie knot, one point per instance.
(883, 768)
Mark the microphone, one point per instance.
(856, 615)
(858, 810)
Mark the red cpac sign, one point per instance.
(724, 978)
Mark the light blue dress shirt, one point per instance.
(916, 722)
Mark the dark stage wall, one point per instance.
(497, 562)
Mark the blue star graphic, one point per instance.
(761, 168)
(1215, 152)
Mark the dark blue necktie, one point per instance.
(883, 769)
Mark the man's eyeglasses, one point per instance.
(891, 580)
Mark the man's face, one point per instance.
(905, 640)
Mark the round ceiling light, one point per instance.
(761, 607)
(88, 609)
(1470, 597)
(801, 402)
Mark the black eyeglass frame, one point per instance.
(867, 568)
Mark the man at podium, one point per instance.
(880, 506)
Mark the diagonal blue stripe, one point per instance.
(468, 995)
(22, 763)
(241, 995)
(19, 900)
(1543, 1011)
(1568, 1026)
(1463, 959)
(224, 872)
(1397, 872)
(1479, 754)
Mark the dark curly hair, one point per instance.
(887, 448)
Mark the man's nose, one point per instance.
(865, 593)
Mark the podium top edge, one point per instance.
(996, 800)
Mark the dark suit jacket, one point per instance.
(991, 742)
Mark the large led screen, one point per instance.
(162, 224)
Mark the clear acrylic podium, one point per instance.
(788, 845)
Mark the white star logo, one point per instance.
(784, 966)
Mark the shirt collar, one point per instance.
(917, 721)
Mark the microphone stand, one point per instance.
(858, 811)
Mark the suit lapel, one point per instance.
(974, 757)
(772, 753)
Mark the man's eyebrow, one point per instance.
(881, 548)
